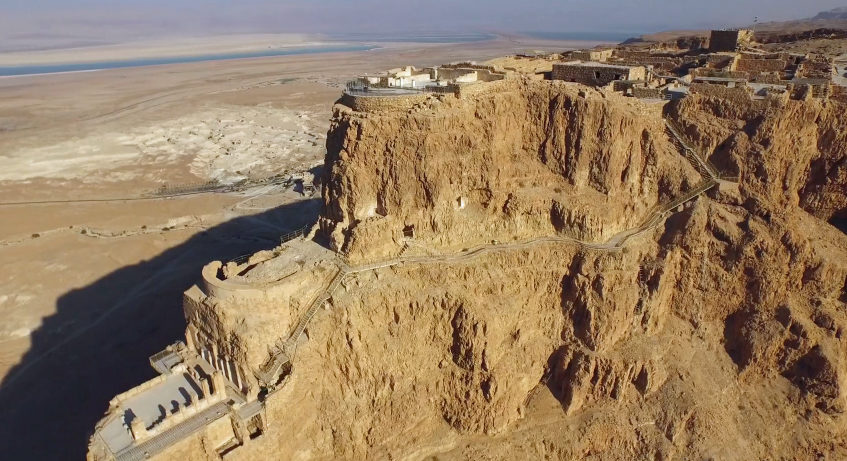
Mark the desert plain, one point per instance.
(93, 263)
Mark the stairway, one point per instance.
(284, 350)
(706, 169)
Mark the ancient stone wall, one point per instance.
(481, 73)
(749, 64)
(815, 67)
(728, 40)
(705, 72)
(809, 88)
(739, 94)
(480, 89)
(400, 103)
(593, 55)
(596, 75)
(838, 93)
(717, 61)
(643, 92)
(214, 286)
(661, 62)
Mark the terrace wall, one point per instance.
(483, 73)
(596, 75)
(651, 93)
(739, 94)
(747, 64)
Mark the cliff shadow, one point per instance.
(51, 400)
(839, 223)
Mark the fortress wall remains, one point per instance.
(815, 67)
(638, 55)
(479, 89)
(593, 55)
(596, 75)
(838, 93)
(740, 94)
(728, 40)
(383, 103)
(704, 72)
(745, 64)
(643, 92)
(768, 77)
(221, 289)
(450, 73)
(483, 73)
(486, 75)
(718, 61)
(659, 63)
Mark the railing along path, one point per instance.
(283, 351)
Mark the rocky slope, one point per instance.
(789, 153)
(524, 159)
(718, 335)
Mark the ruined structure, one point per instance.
(597, 55)
(409, 77)
(201, 396)
(597, 74)
(618, 278)
(729, 40)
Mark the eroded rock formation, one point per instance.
(523, 159)
(718, 334)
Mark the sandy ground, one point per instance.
(88, 290)
(187, 46)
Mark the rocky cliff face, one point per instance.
(531, 158)
(718, 334)
(788, 152)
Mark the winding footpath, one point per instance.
(284, 350)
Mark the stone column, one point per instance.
(237, 377)
(138, 429)
(225, 368)
(219, 382)
(204, 384)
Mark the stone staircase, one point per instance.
(283, 351)
(703, 166)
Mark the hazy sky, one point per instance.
(111, 20)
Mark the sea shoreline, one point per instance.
(220, 48)
(74, 67)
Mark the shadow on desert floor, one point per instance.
(49, 410)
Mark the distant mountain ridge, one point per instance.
(835, 13)
(828, 24)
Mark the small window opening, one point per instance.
(409, 231)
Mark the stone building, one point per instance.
(729, 40)
(599, 55)
(596, 74)
(197, 398)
